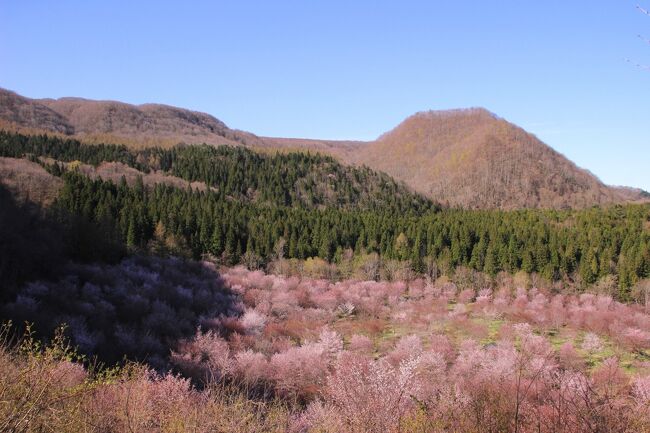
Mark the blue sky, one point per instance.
(354, 69)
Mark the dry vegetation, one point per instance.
(145, 122)
(46, 389)
(28, 114)
(116, 122)
(470, 158)
(29, 181)
(115, 171)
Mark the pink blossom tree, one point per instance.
(371, 396)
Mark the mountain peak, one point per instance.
(474, 158)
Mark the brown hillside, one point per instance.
(466, 158)
(341, 149)
(29, 181)
(471, 158)
(145, 123)
(19, 112)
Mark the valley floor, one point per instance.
(274, 353)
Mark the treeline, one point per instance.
(15, 145)
(293, 179)
(587, 244)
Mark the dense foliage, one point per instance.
(295, 205)
(310, 356)
(37, 242)
(465, 351)
(293, 179)
(18, 145)
(589, 244)
(47, 389)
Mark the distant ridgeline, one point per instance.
(321, 208)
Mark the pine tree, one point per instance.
(216, 241)
(131, 233)
(491, 266)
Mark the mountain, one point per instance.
(139, 125)
(145, 123)
(472, 158)
(232, 173)
(463, 158)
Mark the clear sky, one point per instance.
(354, 69)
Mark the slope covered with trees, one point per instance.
(315, 356)
(464, 158)
(592, 243)
(236, 173)
(263, 207)
(428, 321)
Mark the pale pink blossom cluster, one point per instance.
(417, 304)
(333, 345)
(386, 357)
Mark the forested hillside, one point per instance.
(426, 266)
(594, 242)
(130, 255)
(264, 207)
(236, 173)
(468, 158)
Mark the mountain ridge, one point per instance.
(469, 158)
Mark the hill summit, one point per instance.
(472, 158)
